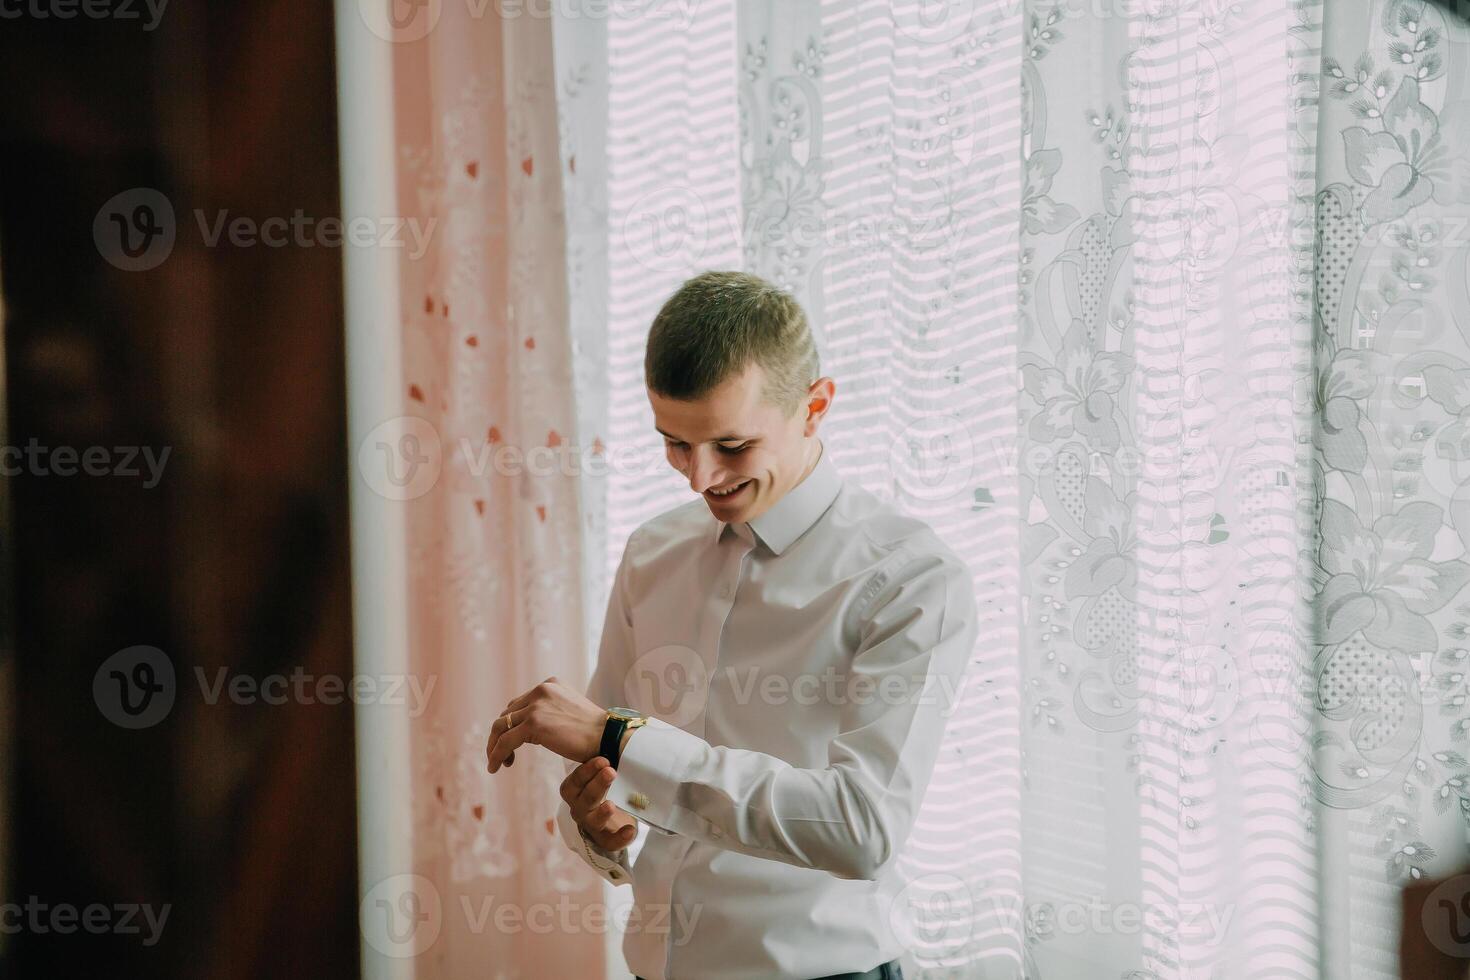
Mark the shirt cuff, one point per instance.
(610, 866)
(650, 771)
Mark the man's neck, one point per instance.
(814, 453)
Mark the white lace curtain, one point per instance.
(1157, 311)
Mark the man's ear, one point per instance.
(819, 400)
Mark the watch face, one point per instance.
(626, 714)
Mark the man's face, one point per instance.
(733, 439)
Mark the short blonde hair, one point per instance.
(716, 325)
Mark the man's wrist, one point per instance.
(596, 740)
(620, 724)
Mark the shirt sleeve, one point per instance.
(614, 656)
(916, 635)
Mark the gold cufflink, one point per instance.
(638, 801)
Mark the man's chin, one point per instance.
(730, 515)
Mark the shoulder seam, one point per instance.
(893, 547)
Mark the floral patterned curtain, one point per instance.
(1244, 311)
(1166, 820)
(475, 457)
(1390, 482)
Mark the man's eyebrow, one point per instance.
(729, 438)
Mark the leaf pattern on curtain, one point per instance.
(1392, 315)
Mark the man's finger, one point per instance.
(510, 738)
(594, 792)
(612, 828)
(591, 790)
(507, 744)
(497, 728)
(624, 835)
(601, 816)
(571, 787)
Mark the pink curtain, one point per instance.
(494, 551)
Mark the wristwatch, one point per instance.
(619, 721)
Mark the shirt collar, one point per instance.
(791, 516)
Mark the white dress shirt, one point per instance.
(799, 671)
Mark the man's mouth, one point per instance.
(726, 493)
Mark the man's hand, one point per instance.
(549, 714)
(610, 827)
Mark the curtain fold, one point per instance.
(485, 463)
(1157, 312)
(1158, 375)
(1389, 529)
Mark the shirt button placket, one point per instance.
(729, 582)
(731, 579)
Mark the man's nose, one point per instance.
(704, 468)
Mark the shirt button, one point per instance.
(638, 801)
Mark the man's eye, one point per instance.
(675, 445)
(735, 449)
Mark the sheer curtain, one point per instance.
(1157, 311)
(471, 564)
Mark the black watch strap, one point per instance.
(611, 748)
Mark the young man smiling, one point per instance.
(772, 820)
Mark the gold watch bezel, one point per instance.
(635, 719)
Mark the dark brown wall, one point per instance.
(240, 817)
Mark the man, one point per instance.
(794, 644)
